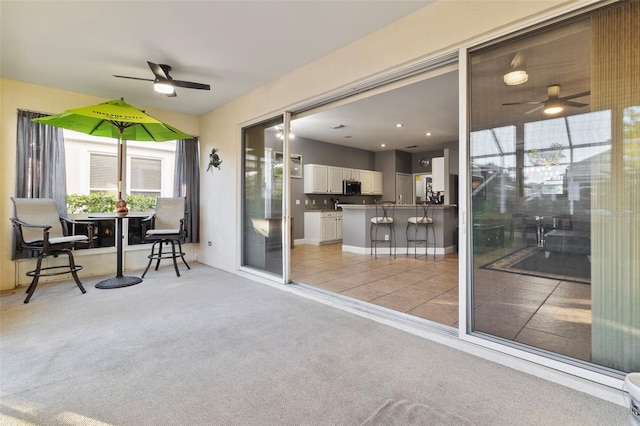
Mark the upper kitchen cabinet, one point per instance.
(371, 182)
(351, 174)
(321, 179)
(438, 174)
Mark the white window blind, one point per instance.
(146, 176)
(103, 173)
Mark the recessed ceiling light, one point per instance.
(399, 125)
(428, 133)
(382, 145)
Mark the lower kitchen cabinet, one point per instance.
(322, 227)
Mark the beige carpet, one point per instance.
(404, 413)
(212, 348)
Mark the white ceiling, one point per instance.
(429, 106)
(235, 46)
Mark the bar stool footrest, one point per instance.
(67, 270)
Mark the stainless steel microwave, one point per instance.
(351, 187)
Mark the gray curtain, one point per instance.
(187, 183)
(40, 161)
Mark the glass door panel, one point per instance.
(555, 192)
(262, 190)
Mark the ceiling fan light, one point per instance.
(553, 109)
(163, 87)
(514, 78)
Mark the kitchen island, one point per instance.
(356, 222)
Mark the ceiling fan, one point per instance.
(554, 103)
(164, 83)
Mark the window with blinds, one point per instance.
(146, 176)
(103, 176)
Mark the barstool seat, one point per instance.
(383, 218)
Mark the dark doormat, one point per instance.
(531, 261)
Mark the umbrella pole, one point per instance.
(121, 205)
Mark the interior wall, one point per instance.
(18, 95)
(416, 156)
(386, 163)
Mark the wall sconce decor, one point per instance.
(214, 160)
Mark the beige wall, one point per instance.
(438, 28)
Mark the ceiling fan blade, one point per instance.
(535, 109)
(577, 95)
(574, 104)
(523, 103)
(159, 71)
(132, 78)
(191, 85)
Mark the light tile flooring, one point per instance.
(544, 313)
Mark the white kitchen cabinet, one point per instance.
(329, 231)
(322, 227)
(365, 182)
(438, 173)
(371, 182)
(334, 182)
(316, 179)
(351, 174)
(321, 179)
(376, 183)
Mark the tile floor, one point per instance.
(544, 313)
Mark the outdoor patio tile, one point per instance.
(580, 349)
(497, 327)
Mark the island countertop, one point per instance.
(397, 206)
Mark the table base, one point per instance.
(118, 282)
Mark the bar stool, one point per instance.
(164, 227)
(423, 218)
(383, 218)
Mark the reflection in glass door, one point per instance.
(555, 191)
(262, 196)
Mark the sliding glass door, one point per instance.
(262, 190)
(265, 198)
(554, 180)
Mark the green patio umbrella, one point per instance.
(119, 120)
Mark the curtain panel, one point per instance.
(187, 184)
(40, 161)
